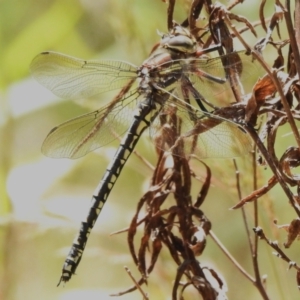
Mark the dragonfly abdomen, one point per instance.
(144, 116)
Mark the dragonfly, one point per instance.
(173, 74)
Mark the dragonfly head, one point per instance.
(179, 39)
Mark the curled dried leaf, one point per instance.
(290, 159)
(263, 89)
(257, 194)
(217, 281)
(293, 232)
(198, 241)
(276, 18)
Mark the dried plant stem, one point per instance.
(279, 253)
(254, 24)
(145, 296)
(252, 131)
(273, 74)
(238, 186)
(170, 14)
(286, 107)
(230, 257)
(257, 283)
(272, 165)
(237, 34)
(297, 24)
(253, 248)
(292, 34)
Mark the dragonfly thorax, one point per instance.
(177, 44)
(144, 79)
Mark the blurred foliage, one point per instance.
(46, 199)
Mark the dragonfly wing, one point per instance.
(215, 78)
(237, 70)
(218, 138)
(69, 77)
(194, 132)
(77, 137)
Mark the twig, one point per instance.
(294, 44)
(279, 253)
(145, 296)
(238, 186)
(230, 257)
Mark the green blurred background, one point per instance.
(43, 200)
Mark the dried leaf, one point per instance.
(257, 194)
(290, 159)
(198, 241)
(293, 232)
(262, 90)
(298, 279)
(276, 18)
(217, 281)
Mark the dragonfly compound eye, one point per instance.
(180, 43)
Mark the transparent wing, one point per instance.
(71, 78)
(214, 78)
(184, 130)
(77, 137)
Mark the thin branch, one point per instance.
(230, 257)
